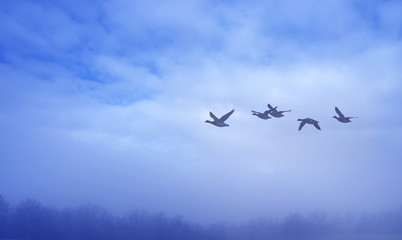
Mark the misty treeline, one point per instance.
(29, 219)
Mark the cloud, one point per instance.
(108, 105)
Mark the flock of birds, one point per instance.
(220, 122)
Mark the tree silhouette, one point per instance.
(33, 221)
(4, 215)
(30, 220)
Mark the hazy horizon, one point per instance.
(105, 102)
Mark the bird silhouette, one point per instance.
(308, 121)
(264, 115)
(276, 113)
(342, 117)
(219, 122)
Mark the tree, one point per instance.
(4, 213)
(33, 221)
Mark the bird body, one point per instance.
(219, 122)
(341, 117)
(264, 115)
(308, 121)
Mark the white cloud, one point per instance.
(134, 128)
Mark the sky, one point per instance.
(105, 102)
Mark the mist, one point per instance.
(104, 103)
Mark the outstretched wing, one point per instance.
(271, 108)
(316, 125)
(301, 125)
(213, 116)
(226, 116)
(339, 112)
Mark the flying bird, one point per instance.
(308, 121)
(276, 113)
(264, 115)
(342, 117)
(219, 122)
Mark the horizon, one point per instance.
(105, 102)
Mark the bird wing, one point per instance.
(302, 124)
(226, 116)
(213, 116)
(270, 107)
(316, 125)
(339, 112)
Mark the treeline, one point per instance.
(29, 219)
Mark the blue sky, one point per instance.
(105, 102)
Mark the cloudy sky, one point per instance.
(105, 102)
